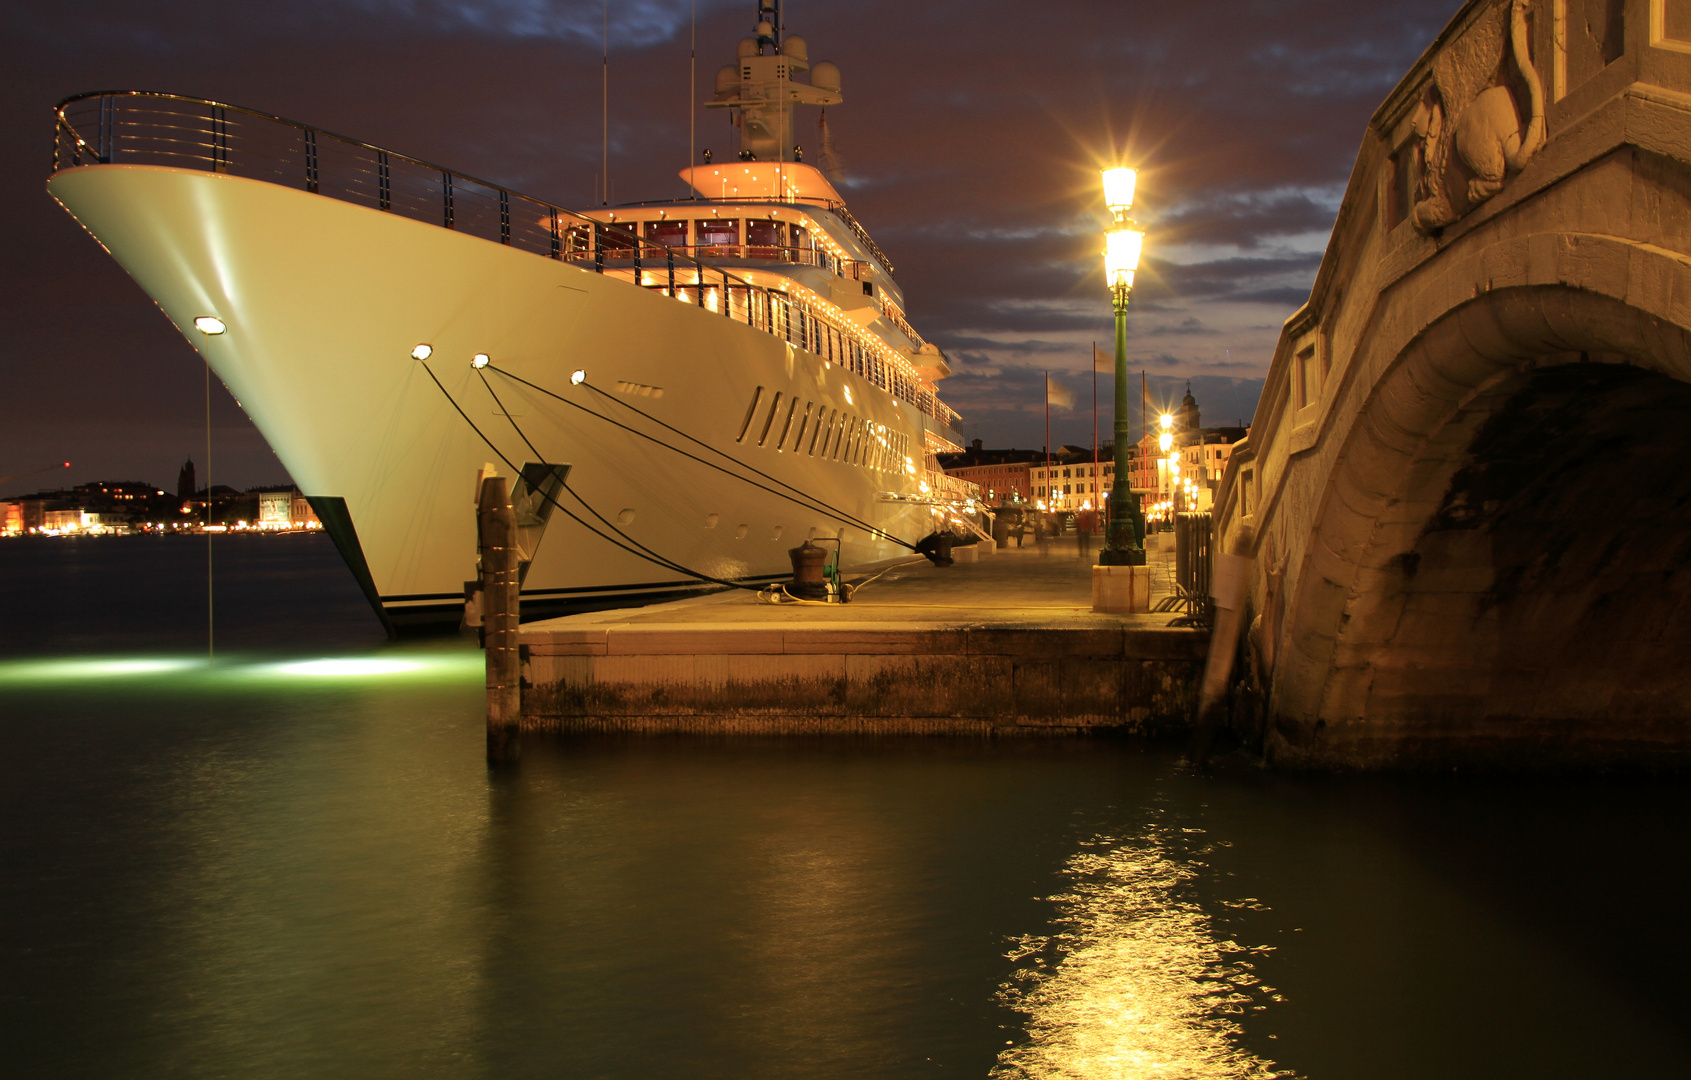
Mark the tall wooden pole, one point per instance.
(496, 528)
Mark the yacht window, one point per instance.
(800, 237)
(781, 443)
(765, 239)
(719, 233)
(746, 424)
(798, 440)
(670, 233)
(774, 406)
(613, 239)
(819, 429)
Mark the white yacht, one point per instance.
(681, 391)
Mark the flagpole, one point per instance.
(1144, 397)
(1048, 437)
(1095, 476)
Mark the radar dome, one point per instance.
(748, 46)
(727, 80)
(825, 76)
(795, 47)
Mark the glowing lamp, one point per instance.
(1166, 421)
(1121, 256)
(1118, 189)
(1165, 441)
(422, 351)
(577, 377)
(479, 360)
(210, 325)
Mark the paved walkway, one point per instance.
(1009, 643)
(1037, 586)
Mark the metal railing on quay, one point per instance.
(1193, 534)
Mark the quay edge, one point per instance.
(860, 679)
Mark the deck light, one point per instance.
(209, 325)
(422, 351)
(577, 377)
(479, 360)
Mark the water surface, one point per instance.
(294, 862)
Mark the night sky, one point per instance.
(971, 134)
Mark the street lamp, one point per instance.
(1123, 243)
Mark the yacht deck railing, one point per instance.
(141, 127)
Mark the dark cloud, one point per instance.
(974, 131)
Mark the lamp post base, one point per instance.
(1121, 557)
(1121, 590)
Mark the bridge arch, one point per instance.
(1500, 549)
(1466, 491)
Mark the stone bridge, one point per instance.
(1467, 488)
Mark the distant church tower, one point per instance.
(1186, 417)
(185, 486)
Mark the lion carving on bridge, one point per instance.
(1470, 126)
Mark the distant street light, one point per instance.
(1123, 244)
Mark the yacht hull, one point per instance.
(324, 302)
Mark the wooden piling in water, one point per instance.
(496, 531)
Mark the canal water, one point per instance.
(293, 862)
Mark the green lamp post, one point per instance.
(1125, 544)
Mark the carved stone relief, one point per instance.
(1471, 129)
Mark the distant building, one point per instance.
(284, 508)
(1002, 475)
(1074, 480)
(185, 486)
(1202, 454)
(112, 506)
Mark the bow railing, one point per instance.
(146, 128)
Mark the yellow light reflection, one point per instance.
(1138, 985)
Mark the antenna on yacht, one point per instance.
(762, 90)
(692, 94)
(605, 101)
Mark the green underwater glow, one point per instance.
(431, 667)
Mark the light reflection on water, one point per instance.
(1136, 982)
(294, 862)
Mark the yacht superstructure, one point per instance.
(680, 391)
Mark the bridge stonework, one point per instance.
(1468, 484)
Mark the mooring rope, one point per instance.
(798, 496)
(638, 550)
